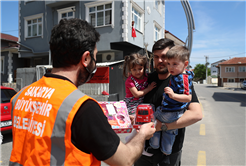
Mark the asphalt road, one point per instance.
(219, 139)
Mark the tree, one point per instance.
(200, 72)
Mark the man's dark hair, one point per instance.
(162, 44)
(70, 39)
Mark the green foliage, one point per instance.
(200, 72)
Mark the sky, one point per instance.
(219, 27)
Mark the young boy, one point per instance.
(175, 97)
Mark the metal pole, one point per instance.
(206, 67)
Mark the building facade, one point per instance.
(113, 19)
(9, 58)
(232, 72)
(214, 69)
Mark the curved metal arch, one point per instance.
(190, 23)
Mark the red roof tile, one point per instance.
(173, 35)
(9, 37)
(233, 61)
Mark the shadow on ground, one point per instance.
(230, 97)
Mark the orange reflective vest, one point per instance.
(42, 115)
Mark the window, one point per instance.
(67, 13)
(34, 25)
(157, 31)
(230, 80)
(143, 112)
(2, 64)
(242, 69)
(6, 95)
(100, 14)
(137, 18)
(229, 69)
(158, 5)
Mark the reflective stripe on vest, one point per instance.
(57, 137)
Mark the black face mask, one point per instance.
(91, 74)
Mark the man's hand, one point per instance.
(169, 91)
(147, 130)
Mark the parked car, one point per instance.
(6, 122)
(243, 84)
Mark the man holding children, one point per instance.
(191, 112)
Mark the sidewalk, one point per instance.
(233, 89)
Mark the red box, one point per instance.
(118, 117)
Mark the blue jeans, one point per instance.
(165, 139)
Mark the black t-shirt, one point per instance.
(91, 132)
(155, 97)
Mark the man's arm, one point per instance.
(192, 115)
(127, 154)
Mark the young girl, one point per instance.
(136, 84)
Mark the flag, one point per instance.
(133, 32)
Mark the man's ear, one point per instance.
(186, 63)
(86, 58)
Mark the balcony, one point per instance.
(57, 3)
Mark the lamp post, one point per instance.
(206, 67)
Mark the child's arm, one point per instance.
(177, 97)
(141, 93)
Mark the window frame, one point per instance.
(229, 68)
(159, 8)
(240, 67)
(26, 1)
(156, 25)
(139, 10)
(65, 10)
(230, 79)
(37, 16)
(99, 3)
(2, 64)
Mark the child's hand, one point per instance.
(151, 86)
(132, 118)
(169, 91)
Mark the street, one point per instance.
(218, 139)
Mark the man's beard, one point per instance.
(83, 74)
(162, 70)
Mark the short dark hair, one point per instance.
(180, 52)
(162, 44)
(70, 39)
